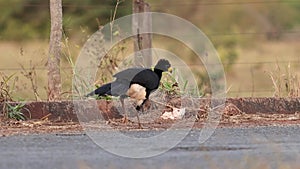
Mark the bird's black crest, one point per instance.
(163, 65)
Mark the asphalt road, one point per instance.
(259, 147)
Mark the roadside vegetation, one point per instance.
(267, 58)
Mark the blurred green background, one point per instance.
(258, 41)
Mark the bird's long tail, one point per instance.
(101, 91)
(115, 88)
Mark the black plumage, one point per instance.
(137, 83)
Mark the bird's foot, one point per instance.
(109, 121)
(140, 126)
(125, 119)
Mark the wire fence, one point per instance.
(250, 91)
(173, 4)
(295, 62)
(71, 4)
(253, 90)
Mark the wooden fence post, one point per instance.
(142, 41)
(54, 78)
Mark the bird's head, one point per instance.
(163, 65)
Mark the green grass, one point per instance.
(15, 111)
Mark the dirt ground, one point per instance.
(231, 117)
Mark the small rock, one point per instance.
(174, 115)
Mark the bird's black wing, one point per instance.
(142, 76)
(128, 74)
(115, 88)
(147, 78)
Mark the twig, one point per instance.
(113, 17)
(167, 105)
(46, 117)
(31, 75)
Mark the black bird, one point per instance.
(136, 83)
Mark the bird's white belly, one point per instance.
(137, 92)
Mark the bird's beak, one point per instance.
(170, 70)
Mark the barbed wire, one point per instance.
(235, 93)
(69, 5)
(296, 62)
(179, 4)
(253, 33)
(236, 3)
(197, 3)
(252, 91)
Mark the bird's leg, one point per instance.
(140, 108)
(125, 118)
(146, 105)
(138, 118)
